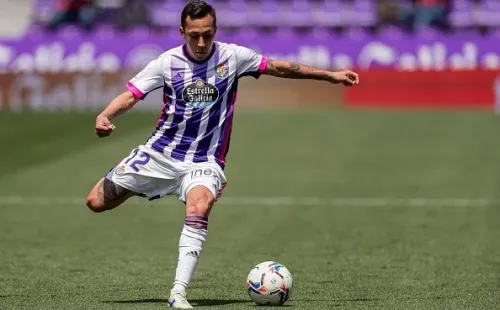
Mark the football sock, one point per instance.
(193, 236)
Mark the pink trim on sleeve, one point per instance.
(263, 64)
(137, 93)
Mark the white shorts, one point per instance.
(154, 175)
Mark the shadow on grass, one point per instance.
(194, 302)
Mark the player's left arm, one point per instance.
(293, 70)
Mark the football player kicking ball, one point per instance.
(185, 155)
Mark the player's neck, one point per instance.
(191, 58)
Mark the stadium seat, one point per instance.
(266, 13)
(428, 33)
(166, 13)
(104, 32)
(139, 32)
(357, 34)
(330, 14)
(44, 11)
(362, 13)
(321, 33)
(489, 13)
(69, 32)
(298, 13)
(391, 33)
(233, 14)
(461, 13)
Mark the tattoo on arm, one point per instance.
(110, 192)
(120, 105)
(122, 109)
(293, 70)
(295, 67)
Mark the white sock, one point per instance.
(191, 242)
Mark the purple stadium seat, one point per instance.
(356, 34)
(329, 14)
(285, 33)
(321, 33)
(166, 13)
(265, 13)
(104, 32)
(248, 32)
(489, 13)
(36, 33)
(172, 34)
(139, 32)
(461, 14)
(172, 37)
(391, 33)
(428, 33)
(316, 14)
(69, 31)
(44, 10)
(298, 13)
(471, 34)
(233, 13)
(494, 35)
(362, 13)
(232, 36)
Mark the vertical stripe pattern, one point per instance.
(193, 123)
(191, 133)
(178, 72)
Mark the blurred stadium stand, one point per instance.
(117, 37)
(369, 15)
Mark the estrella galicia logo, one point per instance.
(200, 94)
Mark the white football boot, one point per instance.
(178, 300)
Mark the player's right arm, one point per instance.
(119, 105)
(149, 79)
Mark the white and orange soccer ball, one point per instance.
(269, 283)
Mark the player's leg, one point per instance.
(107, 195)
(194, 233)
(193, 236)
(137, 174)
(202, 186)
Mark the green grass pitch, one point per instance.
(369, 210)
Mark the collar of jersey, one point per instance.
(212, 52)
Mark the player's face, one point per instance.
(199, 35)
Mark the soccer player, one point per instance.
(185, 156)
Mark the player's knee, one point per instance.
(199, 204)
(94, 203)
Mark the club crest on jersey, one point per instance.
(120, 170)
(222, 71)
(200, 94)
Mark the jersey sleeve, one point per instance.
(148, 79)
(249, 62)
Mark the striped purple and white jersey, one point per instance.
(198, 99)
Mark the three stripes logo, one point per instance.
(194, 254)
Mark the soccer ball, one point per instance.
(269, 283)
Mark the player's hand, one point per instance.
(346, 77)
(103, 126)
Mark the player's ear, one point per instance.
(181, 31)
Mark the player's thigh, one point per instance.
(106, 195)
(144, 173)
